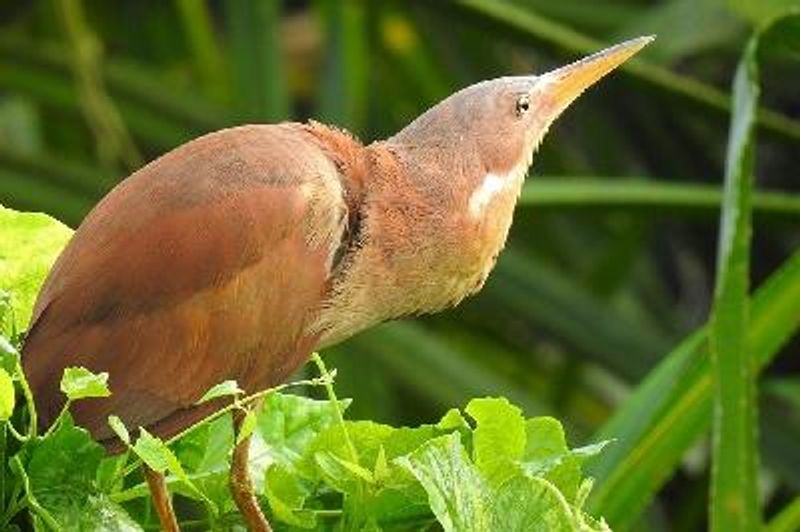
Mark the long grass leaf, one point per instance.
(207, 56)
(647, 197)
(113, 141)
(541, 28)
(787, 520)
(343, 96)
(734, 471)
(671, 409)
(257, 58)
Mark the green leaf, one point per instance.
(103, 515)
(29, 244)
(529, 504)
(499, 440)
(343, 475)
(458, 494)
(6, 395)
(547, 455)
(119, 429)
(734, 482)
(367, 437)
(247, 427)
(787, 520)
(344, 90)
(223, 389)
(257, 59)
(671, 409)
(533, 25)
(288, 424)
(155, 453)
(286, 495)
(763, 10)
(452, 420)
(80, 383)
(62, 469)
(646, 197)
(9, 356)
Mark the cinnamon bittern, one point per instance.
(236, 255)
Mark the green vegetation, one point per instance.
(490, 470)
(622, 307)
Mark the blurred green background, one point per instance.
(612, 254)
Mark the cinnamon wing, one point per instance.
(205, 265)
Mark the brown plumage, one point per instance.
(237, 254)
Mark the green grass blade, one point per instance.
(734, 471)
(343, 91)
(647, 197)
(788, 520)
(530, 289)
(114, 144)
(541, 28)
(671, 409)
(206, 54)
(257, 59)
(160, 118)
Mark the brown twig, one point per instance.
(240, 483)
(161, 499)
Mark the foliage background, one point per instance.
(612, 255)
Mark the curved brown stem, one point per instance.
(240, 483)
(161, 499)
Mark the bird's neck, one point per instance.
(430, 225)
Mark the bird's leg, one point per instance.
(161, 499)
(240, 483)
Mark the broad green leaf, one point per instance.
(342, 475)
(80, 383)
(223, 389)
(6, 395)
(367, 438)
(62, 469)
(734, 483)
(498, 441)
(452, 420)
(247, 427)
(547, 455)
(288, 424)
(286, 495)
(103, 515)
(205, 455)
(459, 496)
(154, 452)
(119, 429)
(671, 409)
(29, 244)
(9, 356)
(529, 504)
(161, 459)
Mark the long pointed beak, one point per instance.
(563, 85)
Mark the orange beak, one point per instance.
(562, 86)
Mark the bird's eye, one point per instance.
(523, 104)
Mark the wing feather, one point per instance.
(205, 265)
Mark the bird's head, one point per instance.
(467, 158)
(496, 125)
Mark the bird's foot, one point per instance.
(240, 483)
(161, 499)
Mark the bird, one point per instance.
(238, 254)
